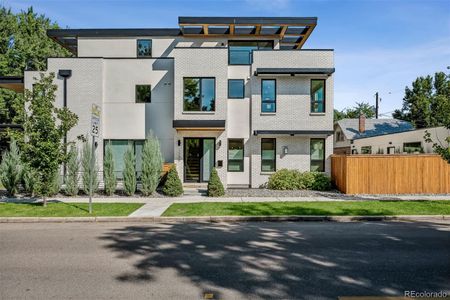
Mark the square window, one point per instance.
(144, 48)
(143, 93)
(199, 94)
(236, 89)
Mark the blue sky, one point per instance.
(380, 45)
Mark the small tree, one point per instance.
(172, 186)
(215, 186)
(151, 165)
(90, 169)
(11, 169)
(73, 167)
(129, 172)
(109, 177)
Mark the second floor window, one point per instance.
(236, 89)
(241, 52)
(268, 95)
(199, 94)
(318, 95)
(143, 93)
(144, 48)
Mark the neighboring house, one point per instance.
(236, 93)
(349, 132)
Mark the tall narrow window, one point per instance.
(143, 93)
(235, 155)
(199, 94)
(144, 48)
(268, 95)
(318, 95)
(268, 155)
(236, 89)
(317, 152)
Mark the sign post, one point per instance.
(95, 128)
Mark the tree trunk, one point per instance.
(44, 201)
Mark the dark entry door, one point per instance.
(198, 159)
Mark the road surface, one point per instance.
(224, 261)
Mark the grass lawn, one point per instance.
(67, 209)
(348, 208)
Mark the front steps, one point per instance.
(195, 189)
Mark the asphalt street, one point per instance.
(222, 261)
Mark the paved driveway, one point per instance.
(231, 261)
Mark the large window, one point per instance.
(268, 95)
(119, 147)
(241, 52)
(236, 89)
(268, 157)
(199, 94)
(143, 93)
(317, 153)
(235, 155)
(144, 48)
(318, 95)
(412, 147)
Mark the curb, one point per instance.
(218, 219)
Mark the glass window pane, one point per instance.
(268, 89)
(208, 94)
(235, 166)
(268, 156)
(143, 93)
(235, 88)
(138, 145)
(268, 166)
(240, 52)
(317, 95)
(144, 48)
(317, 153)
(412, 147)
(191, 94)
(208, 158)
(366, 150)
(316, 166)
(119, 147)
(235, 155)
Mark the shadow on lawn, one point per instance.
(288, 260)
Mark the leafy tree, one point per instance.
(73, 167)
(427, 102)
(151, 165)
(129, 172)
(90, 169)
(215, 186)
(354, 112)
(172, 186)
(44, 126)
(109, 177)
(11, 169)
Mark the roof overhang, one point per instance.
(294, 71)
(14, 83)
(294, 132)
(291, 31)
(201, 125)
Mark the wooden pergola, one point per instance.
(291, 31)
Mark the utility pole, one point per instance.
(376, 105)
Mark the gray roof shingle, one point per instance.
(374, 127)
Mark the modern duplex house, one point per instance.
(237, 93)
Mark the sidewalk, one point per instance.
(154, 207)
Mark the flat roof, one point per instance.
(293, 71)
(294, 132)
(14, 83)
(291, 31)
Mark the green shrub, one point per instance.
(129, 172)
(285, 179)
(29, 180)
(294, 180)
(215, 186)
(172, 186)
(11, 169)
(151, 165)
(55, 184)
(73, 167)
(90, 169)
(109, 177)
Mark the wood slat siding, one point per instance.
(390, 174)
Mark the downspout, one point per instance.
(65, 74)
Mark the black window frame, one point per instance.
(136, 93)
(409, 143)
(241, 161)
(274, 142)
(201, 98)
(267, 101)
(131, 143)
(251, 53)
(137, 48)
(243, 89)
(312, 101)
(364, 148)
(310, 153)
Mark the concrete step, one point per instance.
(189, 191)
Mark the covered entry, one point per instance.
(199, 157)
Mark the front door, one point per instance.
(199, 156)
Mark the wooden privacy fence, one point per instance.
(391, 174)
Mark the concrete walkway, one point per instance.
(154, 207)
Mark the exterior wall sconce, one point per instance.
(285, 150)
(219, 143)
(179, 143)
